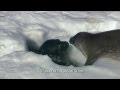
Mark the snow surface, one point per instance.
(20, 30)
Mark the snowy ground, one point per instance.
(18, 30)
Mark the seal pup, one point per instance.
(94, 46)
(57, 50)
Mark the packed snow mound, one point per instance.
(23, 32)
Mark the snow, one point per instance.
(22, 29)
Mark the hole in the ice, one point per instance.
(32, 46)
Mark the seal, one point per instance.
(56, 50)
(94, 46)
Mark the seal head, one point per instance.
(56, 50)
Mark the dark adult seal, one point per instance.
(94, 46)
